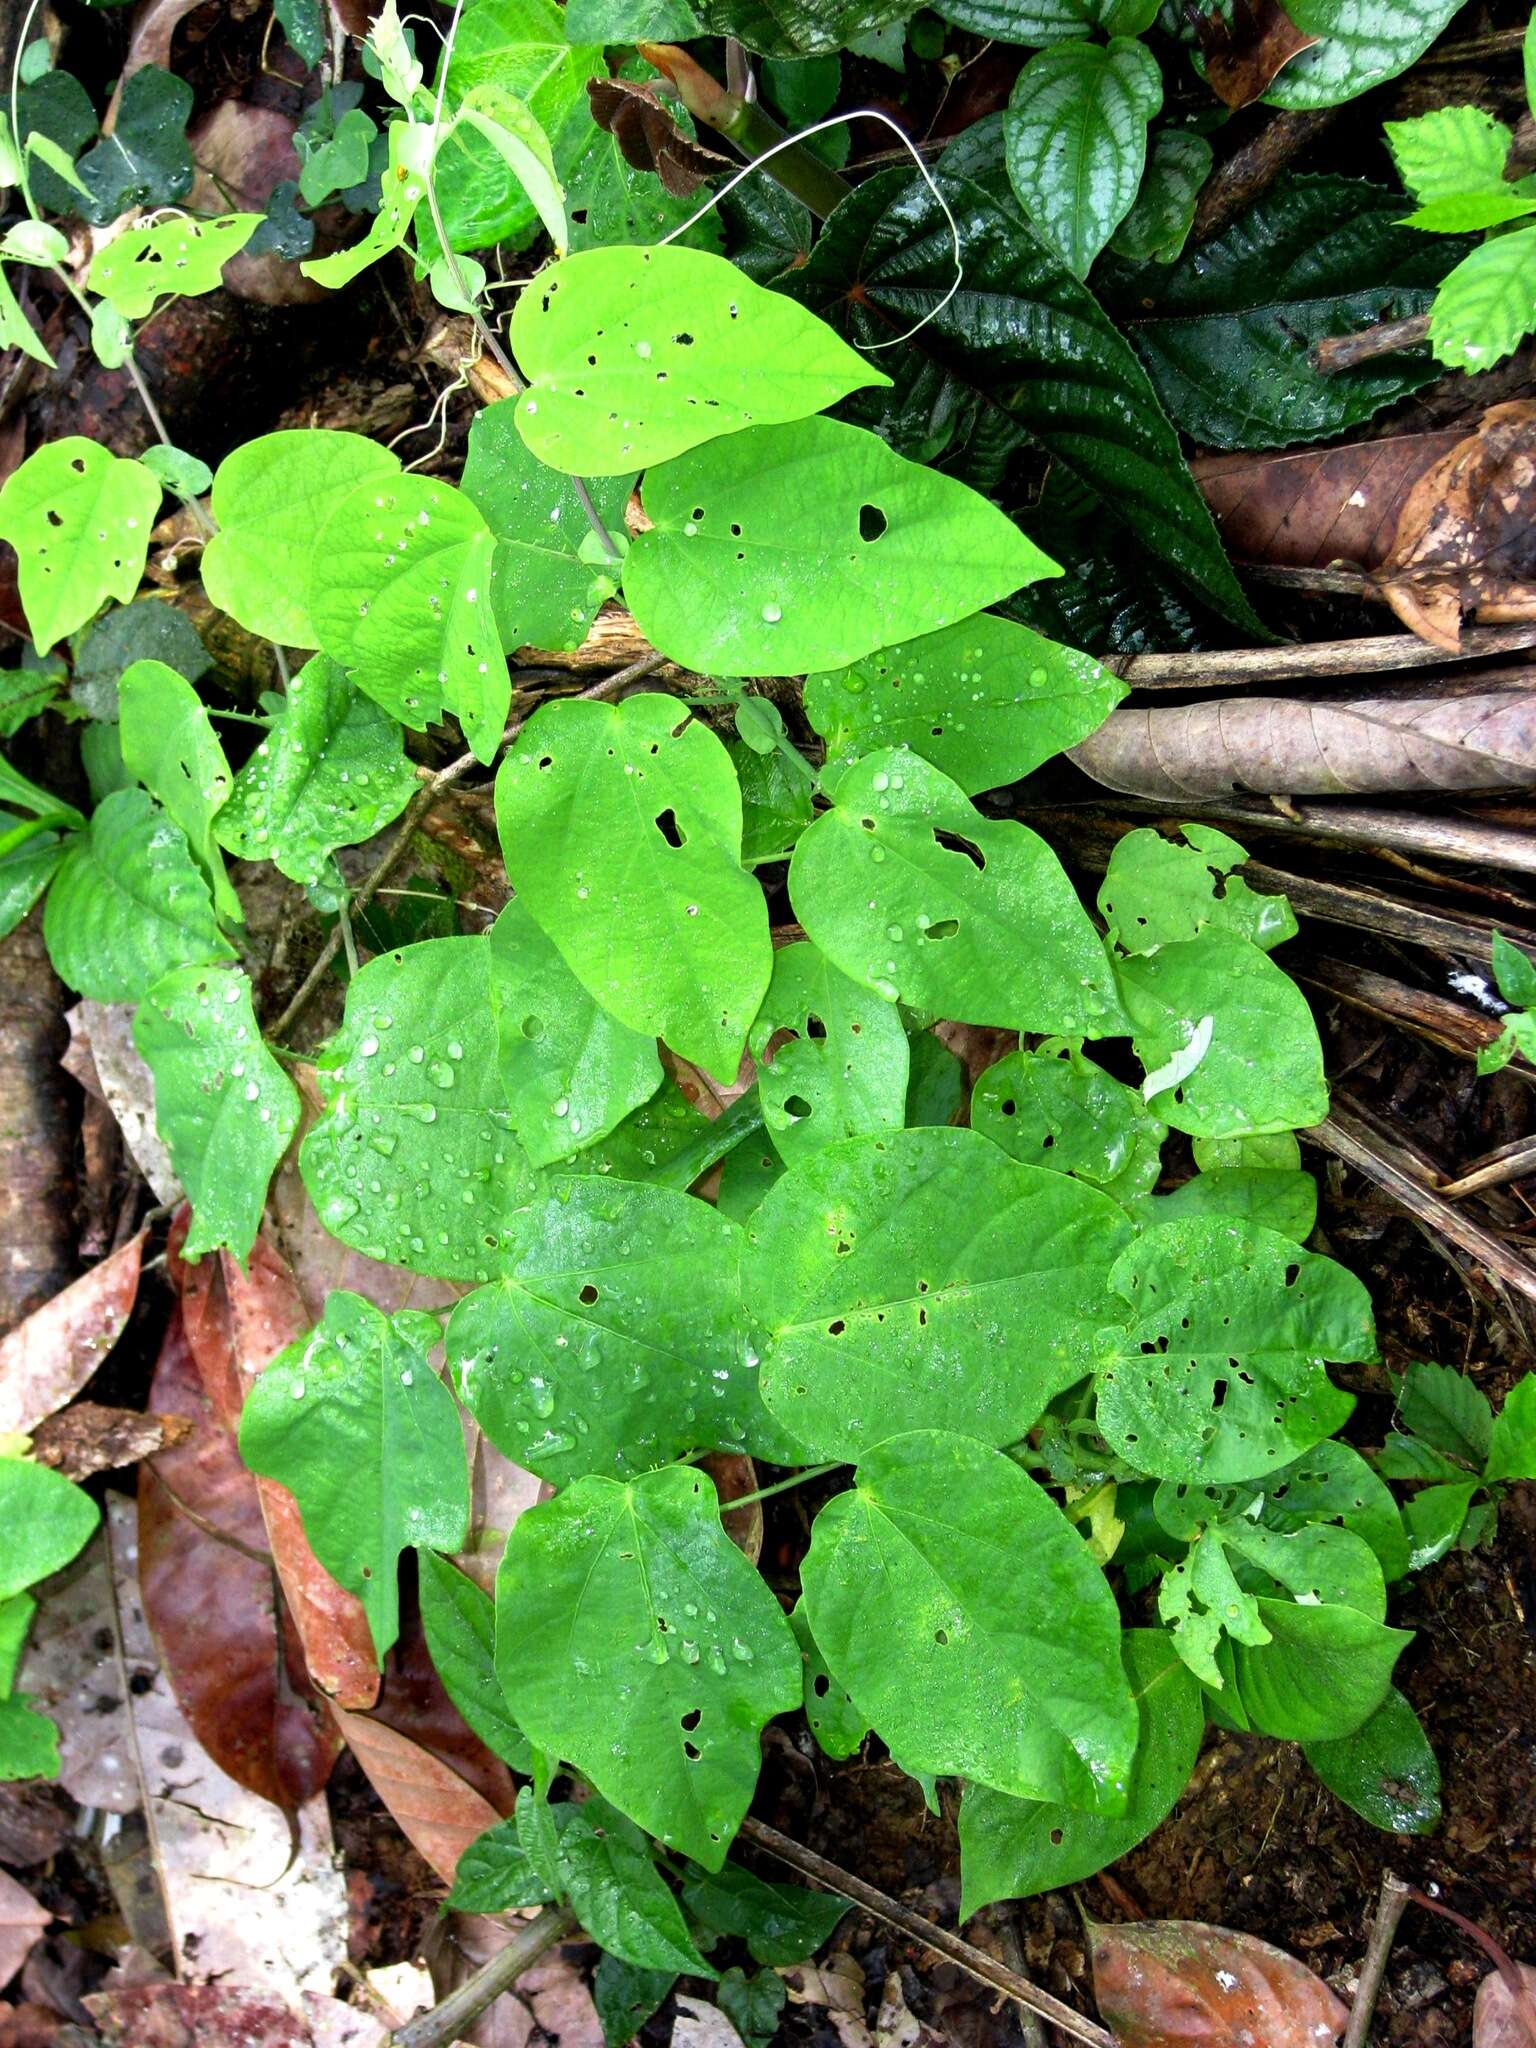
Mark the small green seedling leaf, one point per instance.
(616, 1339)
(495, 1874)
(1157, 892)
(907, 888)
(360, 1429)
(894, 1317)
(1487, 305)
(1449, 152)
(128, 904)
(330, 773)
(1075, 136)
(964, 1614)
(748, 533)
(986, 701)
(1014, 1848)
(1219, 1371)
(618, 1894)
(621, 829)
(79, 519)
(636, 1642)
(780, 1923)
(170, 746)
(570, 1071)
(1445, 1409)
(1323, 1673)
(1386, 1770)
(178, 257)
(1512, 1449)
(184, 475)
(832, 1058)
(271, 497)
(412, 1090)
(680, 343)
(224, 1107)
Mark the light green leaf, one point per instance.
(1514, 973)
(775, 803)
(34, 241)
(186, 476)
(47, 1520)
(25, 873)
(1262, 1064)
(616, 1339)
(223, 1105)
(1076, 140)
(170, 746)
(1199, 1601)
(1512, 1453)
(1158, 224)
(1157, 891)
(1487, 305)
(503, 121)
(1449, 151)
(748, 534)
(271, 497)
(402, 188)
(617, 1892)
(360, 1429)
(636, 1642)
(331, 772)
(16, 1612)
(179, 256)
(544, 589)
(1013, 1848)
(1054, 1108)
(570, 1071)
(1363, 43)
(1322, 1675)
(1433, 1520)
(780, 1923)
(20, 794)
(686, 347)
(842, 1069)
(1218, 1373)
(1386, 1770)
(17, 331)
(1466, 212)
(495, 1873)
(669, 1140)
(907, 888)
(128, 904)
(413, 1093)
(799, 28)
(29, 1741)
(1448, 1411)
(611, 201)
(1329, 1483)
(966, 1617)
(986, 701)
(925, 1279)
(79, 519)
(1283, 1201)
(459, 1620)
(836, 1723)
(1264, 1151)
(621, 829)
(400, 594)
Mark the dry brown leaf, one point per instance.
(1464, 739)
(1496, 2019)
(196, 2016)
(1162, 1982)
(1243, 54)
(242, 153)
(650, 138)
(210, 1596)
(236, 1322)
(22, 1921)
(87, 1438)
(1466, 537)
(439, 1814)
(48, 1358)
(1320, 505)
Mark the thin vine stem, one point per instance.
(747, 1500)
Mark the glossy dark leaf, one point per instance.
(1023, 333)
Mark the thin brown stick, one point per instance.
(454, 2015)
(1374, 652)
(395, 852)
(1350, 1141)
(986, 1969)
(1496, 1170)
(1389, 1910)
(1367, 910)
(1436, 1019)
(1251, 170)
(1389, 338)
(1452, 839)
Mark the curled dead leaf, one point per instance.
(22, 1921)
(1466, 536)
(1162, 1982)
(48, 1358)
(650, 138)
(85, 1437)
(1463, 738)
(1245, 46)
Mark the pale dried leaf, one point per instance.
(22, 1921)
(1496, 2020)
(836, 1982)
(1162, 1982)
(701, 2025)
(439, 1814)
(46, 1360)
(1466, 536)
(251, 1901)
(896, 2025)
(104, 1059)
(333, 2024)
(1466, 738)
(73, 1671)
